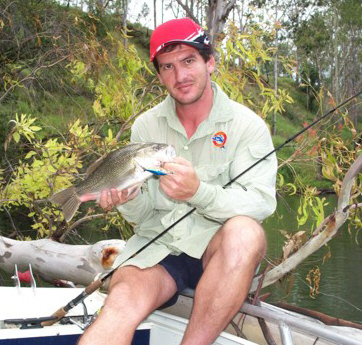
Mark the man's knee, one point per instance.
(242, 241)
(123, 274)
(244, 234)
(120, 290)
(153, 287)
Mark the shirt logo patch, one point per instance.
(219, 139)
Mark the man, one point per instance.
(216, 249)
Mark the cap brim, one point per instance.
(197, 45)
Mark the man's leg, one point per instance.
(133, 294)
(229, 264)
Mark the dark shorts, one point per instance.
(185, 271)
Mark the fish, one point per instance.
(124, 168)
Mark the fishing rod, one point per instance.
(95, 285)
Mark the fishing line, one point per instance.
(95, 285)
(297, 275)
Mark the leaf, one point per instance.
(30, 154)
(35, 128)
(16, 136)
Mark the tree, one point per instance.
(274, 125)
(216, 13)
(154, 14)
(145, 11)
(326, 34)
(347, 27)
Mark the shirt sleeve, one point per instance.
(253, 193)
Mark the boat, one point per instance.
(286, 327)
(23, 309)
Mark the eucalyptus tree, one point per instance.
(216, 13)
(346, 25)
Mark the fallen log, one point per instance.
(53, 261)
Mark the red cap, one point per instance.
(182, 30)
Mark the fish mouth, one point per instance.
(163, 153)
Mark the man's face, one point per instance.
(184, 73)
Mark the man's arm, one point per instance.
(253, 194)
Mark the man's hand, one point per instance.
(182, 183)
(114, 197)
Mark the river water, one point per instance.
(340, 287)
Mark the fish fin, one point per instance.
(134, 189)
(95, 165)
(68, 200)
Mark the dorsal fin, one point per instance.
(95, 165)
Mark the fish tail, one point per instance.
(68, 200)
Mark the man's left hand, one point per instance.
(182, 183)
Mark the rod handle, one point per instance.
(60, 313)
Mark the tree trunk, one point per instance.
(154, 14)
(216, 16)
(335, 80)
(217, 13)
(124, 22)
(274, 124)
(55, 262)
(99, 7)
(162, 10)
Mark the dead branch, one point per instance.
(325, 232)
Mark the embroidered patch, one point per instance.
(219, 139)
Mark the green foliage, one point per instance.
(311, 206)
(48, 166)
(240, 72)
(119, 90)
(313, 35)
(334, 152)
(53, 164)
(23, 126)
(85, 88)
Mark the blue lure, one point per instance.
(157, 172)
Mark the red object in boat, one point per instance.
(24, 277)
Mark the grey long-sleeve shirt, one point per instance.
(230, 140)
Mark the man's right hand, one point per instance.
(114, 197)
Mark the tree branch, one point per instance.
(188, 11)
(320, 237)
(31, 75)
(83, 220)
